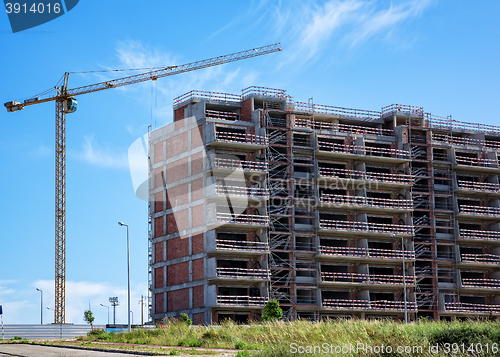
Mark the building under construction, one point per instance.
(332, 211)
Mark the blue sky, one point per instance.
(439, 54)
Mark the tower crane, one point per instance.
(66, 103)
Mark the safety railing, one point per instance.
(384, 203)
(237, 300)
(366, 278)
(345, 304)
(230, 164)
(212, 96)
(355, 226)
(481, 258)
(237, 245)
(450, 124)
(480, 235)
(478, 186)
(402, 108)
(242, 273)
(366, 252)
(263, 91)
(240, 138)
(248, 219)
(472, 308)
(472, 161)
(481, 283)
(480, 210)
(362, 150)
(336, 111)
(255, 192)
(344, 128)
(335, 147)
(461, 141)
(216, 114)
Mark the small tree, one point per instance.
(185, 318)
(272, 311)
(89, 317)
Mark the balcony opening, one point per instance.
(469, 202)
(445, 252)
(335, 268)
(215, 113)
(335, 295)
(324, 242)
(425, 285)
(418, 136)
(472, 299)
(301, 140)
(384, 195)
(380, 245)
(446, 275)
(472, 274)
(304, 243)
(276, 120)
(333, 216)
(377, 149)
(379, 220)
(423, 235)
(439, 154)
(378, 169)
(381, 270)
(470, 226)
(232, 291)
(232, 236)
(374, 296)
(442, 203)
(471, 250)
(241, 264)
(333, 145)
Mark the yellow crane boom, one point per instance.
(65, 103)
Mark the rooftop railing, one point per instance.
(402, 108)
(344, 128)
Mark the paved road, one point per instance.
(23, 350)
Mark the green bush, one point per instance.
(272, 311)
(243, 354)
(185, 318)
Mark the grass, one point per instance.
(276, 338)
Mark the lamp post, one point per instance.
(108, 311)
(404, 275)
(128, 272)
(114, 302)
(41, 305)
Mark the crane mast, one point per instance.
(66, 103)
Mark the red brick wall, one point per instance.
(197, 189)
(198, 296)
(179, 114)
(159, 226)
(177, 144)
(177, 170)
(178, 273)
(159, 303)
(177, 222)
(159, 198)
(158, 177)
(198, 269)
(178, 195)
(158, 278)
(196, 137)
(178, 300)
(158, 152)
(197, 163)
(177, 247)
(197, 215)
(199, 318)
(246, 110)
(159, 252)
(197, 243)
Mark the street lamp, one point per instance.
(41, 305)
(128, 272)
(108, 311)
(404, 275)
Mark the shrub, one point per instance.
(185, 318)
(272, 311)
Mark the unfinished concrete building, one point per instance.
(257, 196)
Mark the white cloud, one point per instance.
(95, 154)
(80, 293)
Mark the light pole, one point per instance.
(404, 275)
(108, 311)
(114, 302)
(41, 305)
(128, 271)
